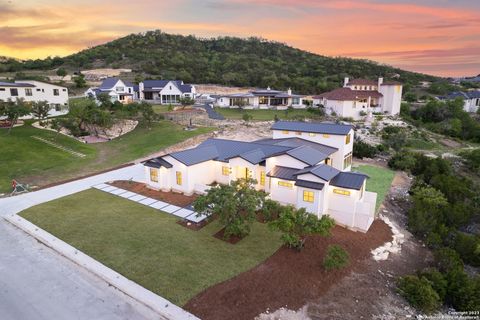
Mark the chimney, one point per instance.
(380, 81)
(268, 88)
(289, 91)
(345, 81)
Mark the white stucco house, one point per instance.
(165, 91)
(359, 97)
(34, 91)
(471, 99)
(307, 165)
(261, 99)
(117, 89)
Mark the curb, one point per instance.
(162, 306)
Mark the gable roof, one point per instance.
(285, 173)
(322, 171)
(309, 184)
(297, 142)
(349, 180)
(307, 155)
(148, 85)
(474, 94)
(157, 163)
(348, 94)
(313, 127)
(197, 155)
(108, 83)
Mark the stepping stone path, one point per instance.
(186, 213)
(58, 146)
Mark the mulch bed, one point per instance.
(231, 240)
(177, 199)
(194, 226)
(288, 278)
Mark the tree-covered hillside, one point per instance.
(226, 60)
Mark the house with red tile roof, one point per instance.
(359, 97)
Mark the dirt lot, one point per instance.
(177, 199)
(288, 278)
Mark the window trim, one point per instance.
(178, 177)
(153, 174)
(308, 196)
(342, 192)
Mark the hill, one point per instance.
(225, 60)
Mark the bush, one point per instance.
(437, 280)
(468, 247)
(270, 210)
(405, 161)
(363, 150)
(335, 258)
(447, 260)
(419, 293)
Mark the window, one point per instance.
(225, 171)
(39, 90)
(347, 161)
(2, 89)
(28, 92)
(285, 184)
(325, 135)
(14, 92)
(328, 161)
(153, 175)
(262, 178)
(120, 89)
(285, 132)
(58, 107)
(312, 134)
(56, 92)
(64, 89)
(179, 178)
(295, 100)
(308, 196)
(342, 192)
(298, 133)
(347, 139)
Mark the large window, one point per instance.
(153, 175)
(14, 92)
(347, 139)
(56, 92)
(178, 175)
(262, 178)
(28, 92)
(285, 184)
(225, 170)
(263, 100)
(347, 161)
(285, 132)
(119, 89)
(308, 196)
(342, 192)
(295, 100)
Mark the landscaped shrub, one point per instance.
(363, 150)
(405, 161)
(419, 293)
(336, 258)
(270, 210)
(297, 224)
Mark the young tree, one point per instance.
(247, 117)
(186, 101)
(13, 110)
(80, 81)
(296, 225)
(55, 125)
(147, 112)
(40, 109)
(234, 204)
(61, 72)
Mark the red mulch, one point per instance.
(231, 240)
(177, 199)
(288, 278)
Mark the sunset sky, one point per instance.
(440, 37)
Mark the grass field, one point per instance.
(148, 246)
(34, 162)
(263, 115)
(380, 180)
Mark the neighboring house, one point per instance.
(304, 164)
(33, 91)
(117, 89)
(165, 91)
(358, 97)
(261, 99)
(471, 99)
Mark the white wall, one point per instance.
(392, 98)
(311, 207)
(281, 194)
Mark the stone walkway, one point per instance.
(184, 213)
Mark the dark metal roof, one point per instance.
(297, 142)
(254, 157)
(108, 83)
(307, 155)
(149, 84)
(16, 85)
(475, 94)
(349, 180)
(314, 127)
(157, 163)
(322, 171)
(283, 173)
(309, 184)
(196, 155)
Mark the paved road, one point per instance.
(38, 284)
(212, 114)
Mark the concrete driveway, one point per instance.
(36, 283)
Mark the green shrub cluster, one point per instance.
(336, 258)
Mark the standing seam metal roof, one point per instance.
(349, 180)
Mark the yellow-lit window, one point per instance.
(311, 134)
(325, 135)
(308, 196)
(285, 184)
(347, 161)
(262, 178)
(328, 161)
(342, 192)
(298, 133)
(285, 132)
(225, 171)
(179, 178)
(347, 139)
(153, 175)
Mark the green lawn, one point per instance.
(34, 162)
(147, 246)
(159, 108)
(379, 182)
(263, 115)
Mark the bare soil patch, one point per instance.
(288, 278)
(221, 235)
(177, 199)
(450, 143)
